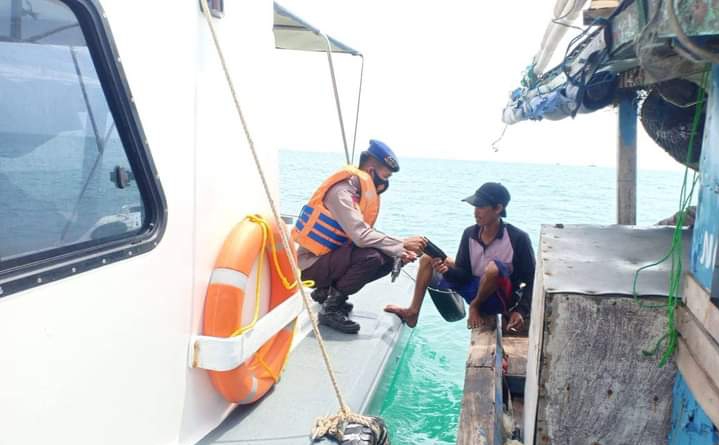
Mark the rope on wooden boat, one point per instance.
(329, 424)
(676, 250)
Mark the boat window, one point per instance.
(70, 175)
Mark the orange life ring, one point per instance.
(227, 305)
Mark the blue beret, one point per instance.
(380, 151)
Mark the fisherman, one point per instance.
(690, 215)
(339, 248)
(493, 259)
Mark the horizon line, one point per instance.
(340, 152)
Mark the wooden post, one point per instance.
(480, 421)
(627, 161)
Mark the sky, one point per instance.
(437, 76)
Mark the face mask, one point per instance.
(379, 182)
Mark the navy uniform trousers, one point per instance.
(348, 268)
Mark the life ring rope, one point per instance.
(266, 234)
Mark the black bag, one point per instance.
(449, 303)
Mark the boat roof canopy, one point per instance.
(291, 32)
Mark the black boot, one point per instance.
(320, 294)
(333, 314)
(346, 307)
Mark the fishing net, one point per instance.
(667, 113)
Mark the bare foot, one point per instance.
(474, 319)
(404, 314)
(477, 320)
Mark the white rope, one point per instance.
(334, 425)
(345, 414)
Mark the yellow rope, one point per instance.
(258, 286)
(345, 412)
(266, 367)
(273, 249)
(266, 233)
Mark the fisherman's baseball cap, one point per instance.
(380, 151)
(489, 195)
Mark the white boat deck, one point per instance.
(286, 415)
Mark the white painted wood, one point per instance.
(704, 352)
(224, 354)
(536, 337)
(698, 302)
(702, 386)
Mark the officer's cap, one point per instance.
(380, 151)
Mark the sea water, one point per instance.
(423, 397)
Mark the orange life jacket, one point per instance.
(316, 228)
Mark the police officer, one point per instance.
(339, 249)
